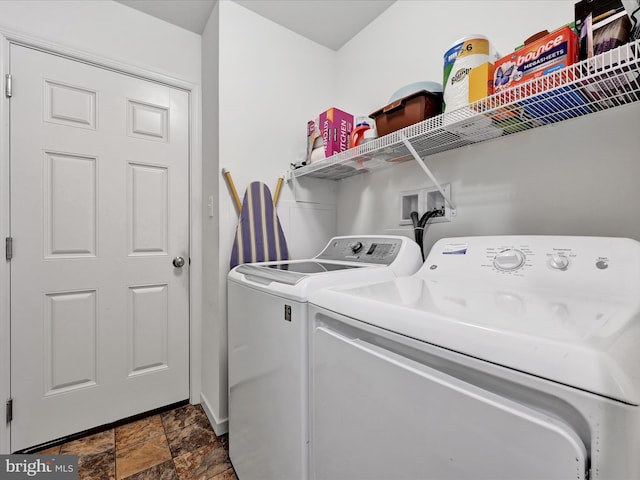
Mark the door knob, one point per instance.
(178, 262)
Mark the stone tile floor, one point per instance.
(176, 445)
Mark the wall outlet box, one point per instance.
(410, 201)
(425, 200)
(435, 200)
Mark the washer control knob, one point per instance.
(356, 247)
(558, 261)
(509, 260)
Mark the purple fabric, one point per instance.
(259, 236)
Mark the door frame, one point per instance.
(8, 37)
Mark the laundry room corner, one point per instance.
(262, 80)
(210, 263)
(210, 219)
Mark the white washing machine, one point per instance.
(268, 335)
(501, 358)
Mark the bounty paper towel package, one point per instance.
(465, 55)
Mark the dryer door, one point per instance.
(378, 415)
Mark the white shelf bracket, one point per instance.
(428, 172)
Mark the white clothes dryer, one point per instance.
(268, 339)
(501, 358)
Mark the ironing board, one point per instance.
(259, 236)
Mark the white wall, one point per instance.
(213, 339)
(111, 30)
(573, 178)
(270, 82)
(116, 34)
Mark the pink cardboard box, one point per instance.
(336, 127)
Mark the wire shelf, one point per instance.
(605, 81)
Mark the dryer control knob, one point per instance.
(559, 262)
(356, 247)
(509, 260)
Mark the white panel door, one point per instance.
(99, 210)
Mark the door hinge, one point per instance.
(8, 247)
(9, 416)
(7, 85)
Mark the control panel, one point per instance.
(519, 257)
(377, 250)
(545, 258)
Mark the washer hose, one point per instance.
(419, 226)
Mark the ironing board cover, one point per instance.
(259, 237)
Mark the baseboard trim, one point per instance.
(220, 426)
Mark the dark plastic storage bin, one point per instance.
(411, 109)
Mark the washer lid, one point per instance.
(584, 341)
(291, 272)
